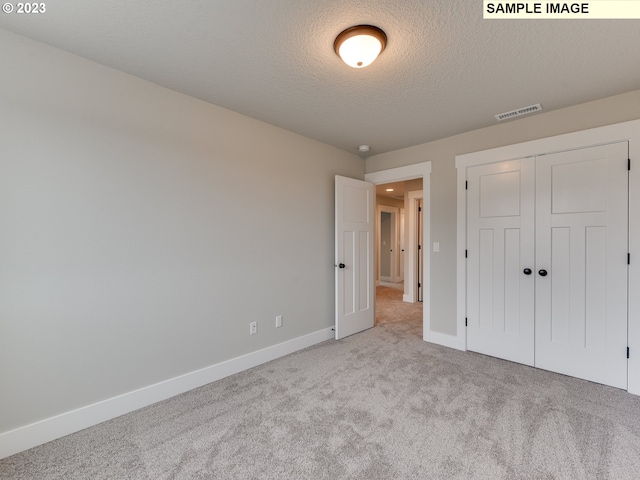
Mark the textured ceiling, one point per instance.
(445, 69)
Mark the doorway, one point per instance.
(388, 244)
(399, 263)
(399, 174)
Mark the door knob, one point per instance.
(342, 265)
(527, 271)
(542, 273)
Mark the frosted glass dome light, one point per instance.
(359, 46)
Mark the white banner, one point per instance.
(594, 9)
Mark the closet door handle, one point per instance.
(342, 265)
(542, 273)
(527, 271)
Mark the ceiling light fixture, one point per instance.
(359, 46)
(389, 189)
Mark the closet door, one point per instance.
(500, 229)
(581, 263)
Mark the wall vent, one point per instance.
(521, 111)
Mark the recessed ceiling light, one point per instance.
(359, 46)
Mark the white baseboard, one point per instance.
(451, 341)
(29, 436)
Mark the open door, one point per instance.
(355, 290)
(420, 255)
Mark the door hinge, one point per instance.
(419, 285)
(627, 352)
(629, 164)
(466, 253)
(628, 259)
(419, 209)
(419, 247)
(466, 322)
(466, 185)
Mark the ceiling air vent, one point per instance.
(521, 111)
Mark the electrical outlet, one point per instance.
(253, 328)
(436, 246)
(278, 321)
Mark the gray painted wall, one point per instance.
(441, 153)
(142, 230)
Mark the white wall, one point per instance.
(142, 230)
(442, 154)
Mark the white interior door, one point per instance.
(500, 283)
(581, 244)
(414, 221)
(402, 244)
(355, 289)
(420, 252)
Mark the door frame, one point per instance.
(411, 279)
(401, 242)
(399, 174)
(627, 131)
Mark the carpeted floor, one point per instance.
(390, 308)
(381, 404)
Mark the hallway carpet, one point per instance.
(381, 404)
(390, 308)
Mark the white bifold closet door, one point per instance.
(547, 262)
(582, 243)
(500, 299)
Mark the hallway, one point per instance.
(391, 309)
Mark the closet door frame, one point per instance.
(627, 131)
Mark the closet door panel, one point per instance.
(581, 243)
(500, 302)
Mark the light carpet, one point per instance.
(390, 308)
(381, 404)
